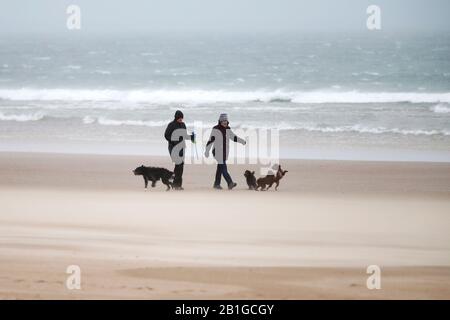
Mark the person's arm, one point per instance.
(186, 135)
(209, 144)
(168, 132)
(235, 138)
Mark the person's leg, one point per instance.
(226, 175)
(218, 175)
(181, 170)
(175, 175)
(178, 171)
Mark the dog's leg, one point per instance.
(146, 182)
(276, 185)
(167, 183)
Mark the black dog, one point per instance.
(251, 180)
(154, 174)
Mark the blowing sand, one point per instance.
(314, 238)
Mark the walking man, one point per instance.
(176, 134)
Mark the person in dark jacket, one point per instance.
(219, 141)
(176, 134)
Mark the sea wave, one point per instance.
(211, 96)
(21, 117)
(113, 122)
(358, 129)
(374, 130)
(441, 108)
(284, 126)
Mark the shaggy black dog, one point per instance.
(154, 174)
(251, 180)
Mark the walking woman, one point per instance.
(219, 140)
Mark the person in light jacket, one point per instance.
(219, 140)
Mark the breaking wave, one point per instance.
(112, 122)
(21, 117)
(211, 96)
(374, 130)
(284, 126)
(441, 108)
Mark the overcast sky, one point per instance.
(143, 16)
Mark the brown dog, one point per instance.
(270, 179)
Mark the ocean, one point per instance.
(368, 96)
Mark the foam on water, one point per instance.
(441, 108)
(113, 122)
(21, 117)
(282, 126)
(374, 130)
(163, 96)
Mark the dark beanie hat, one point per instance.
(178, 115)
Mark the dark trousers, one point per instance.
(222, 171)
(178, 179)
(179, 167)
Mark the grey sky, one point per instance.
(130, 16)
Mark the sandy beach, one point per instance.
(314, 238)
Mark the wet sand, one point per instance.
(314, 238)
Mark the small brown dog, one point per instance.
(270, 179)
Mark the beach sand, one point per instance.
(312, 239)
